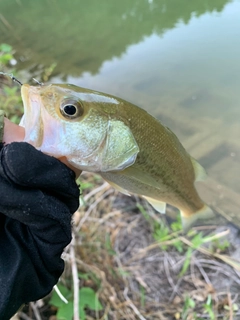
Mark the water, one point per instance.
(178, 59)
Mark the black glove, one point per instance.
(38, 195)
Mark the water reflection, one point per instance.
(81, 35)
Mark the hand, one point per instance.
(38, 197)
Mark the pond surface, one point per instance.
(178, 59)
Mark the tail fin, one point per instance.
(189, 221)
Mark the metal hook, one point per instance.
(38, 82)
(12, 77)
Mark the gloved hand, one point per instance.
(38, 195)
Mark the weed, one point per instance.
(161, 233)
(177, 225)
(6, 55)
(188, 307)
(143, 212)
(208, 306)
(187, 261)
(233, 309)
(48, 72)
(142, 296)
(219, 245)
(108, 245)
(196, 242)
(10, 98)
(123, 273)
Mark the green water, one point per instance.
(178, 59)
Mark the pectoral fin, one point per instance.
(158, 205)
(140, 177)
(117, 187)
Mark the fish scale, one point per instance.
(160, 155)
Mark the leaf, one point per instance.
(177, 225)
(6, 48)
(178, 245)
(56, 300)
(88, 298)
(82, 314)
(191, 303)
(10, 91)
(6, 58)
(86, 185)
(66, 312)
(83, 276)
(197, 241)
(234, 307)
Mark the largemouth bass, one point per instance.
(127, 146)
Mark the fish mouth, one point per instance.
(41, 129)
(32, 121)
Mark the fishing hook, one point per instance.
(38, 82)
(12, 77)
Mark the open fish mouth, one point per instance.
(40, 127)
(32, 121)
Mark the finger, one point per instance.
(12, 132)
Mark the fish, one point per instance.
(132, 150)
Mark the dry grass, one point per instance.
(137, 278)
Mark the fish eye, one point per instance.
(71, 109)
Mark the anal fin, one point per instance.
(158, 205)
